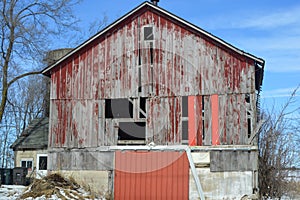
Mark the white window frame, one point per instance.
(27, 160)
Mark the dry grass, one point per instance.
(55, 184)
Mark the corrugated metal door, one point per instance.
(151, 175)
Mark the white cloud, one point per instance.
(281, 92)
(273, 20)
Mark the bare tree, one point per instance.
(279, 148)
(26, 27)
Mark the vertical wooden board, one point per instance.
(95, 72)
(110, 132)
(55, 127)
(222, 118)
(63, 116)
(228, 120)
(55, 81)
(119, 43)
(207, 121)
(219, 60)
(75, 77)
(133, 70)
(151, 175)
(88, 73)
(107, 65)
(101, 123)
(69, 80)
(102, 68)
(174, 122)
(243, 120)
(158, 116)
(198, 120)
(149, 121)
(52, 123)
(62, 82)
(192, 121)
(236, 120)
(81, 71)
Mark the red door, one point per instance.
(151, 175)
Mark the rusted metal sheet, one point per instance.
(151, 175)
(176, 63)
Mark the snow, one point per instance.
(11, 191)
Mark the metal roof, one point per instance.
(146, 4)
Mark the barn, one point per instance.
(154, 107)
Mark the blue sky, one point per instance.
(265, 28)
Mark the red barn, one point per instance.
(154, 107)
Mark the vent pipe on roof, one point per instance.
(155, 2)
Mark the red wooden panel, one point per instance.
(215, 138)
(195, 120)
(191, 122)
(151, 175)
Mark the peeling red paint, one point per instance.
(185, 63)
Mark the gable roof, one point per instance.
(35, 136)
(259, 61)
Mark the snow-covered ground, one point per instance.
(11, 191)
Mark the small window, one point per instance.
(148, 33)
(26, 163)
(43, 163)
(23, 164)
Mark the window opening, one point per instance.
(185, 130)
(247, 98)
(132, 131)
(184, 106)
(148, 33)
(43, 163)
(118, 108)
(142, 107)
(249, 127)
(26, 163)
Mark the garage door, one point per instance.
(151, 175)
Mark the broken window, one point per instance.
(142, 108)
(148, 33)
(129, 131)
(118, 108)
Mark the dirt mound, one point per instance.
(57, 186)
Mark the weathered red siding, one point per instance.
(185, 63)
(151, 175)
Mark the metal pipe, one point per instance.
(155, 2)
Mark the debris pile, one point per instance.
(57, 187)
